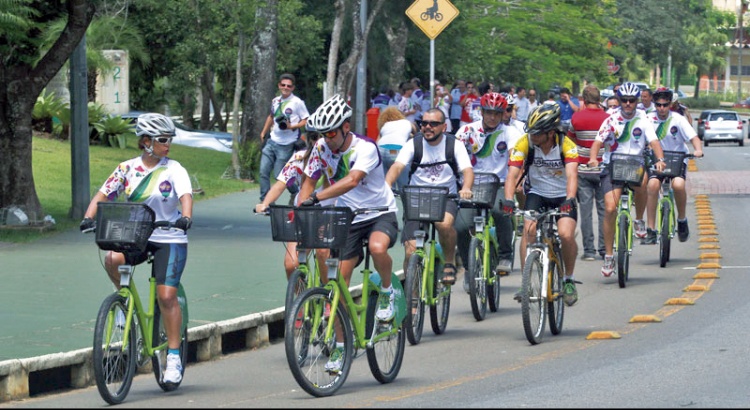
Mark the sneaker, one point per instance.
(462, 271)
(683, 233)
(640, 229)
(335, 361)
(650, 238)
(609, 266)
(505, 265)
(588, 257)
(570, 294)
(173, 374)
(518, 295)
(386, 306)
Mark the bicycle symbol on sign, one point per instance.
(432, 13)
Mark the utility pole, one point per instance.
(79, 132)
(739, 51)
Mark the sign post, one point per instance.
(432, 16)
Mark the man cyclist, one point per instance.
(489, 143)
(551, 181)
(626, 131)
(352, 165)
(433, 170)
(674, 132)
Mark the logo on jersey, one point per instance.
(673, 130)
(165, 188)
(502, 147)
(637, 133)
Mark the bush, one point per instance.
(113, 131)
(47, 107)
(249, 154)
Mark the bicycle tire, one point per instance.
(477, 282)
(296, 284)
(386, 356)
(440, 310)
(114, 367)
(309, 337)
(623, 256)
(414, 320)
(533, 309)
(555, 306)
(665, 239)
(493, 284)
(159, 359)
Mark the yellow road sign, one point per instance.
(432, 16)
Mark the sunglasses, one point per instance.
(661, 105)
(282, 85)
(163, 140)
(509, 109)
(432, 124)
(331, 133)
(628, 100)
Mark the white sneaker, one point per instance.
(336, 361)
(386, 306)
(173, 374)
(640, 229)
(609, 266)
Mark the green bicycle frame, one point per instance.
(626, 199)
(483, 231)
(433, 258)
(667, 196)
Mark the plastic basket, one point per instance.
(123, 227)
(484, 189)
(675, 161)
(322, 227)
(627, 168)
(282, 224)
(424, 203)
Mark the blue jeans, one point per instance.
(589, 193)
(388, 160)
(274, 156)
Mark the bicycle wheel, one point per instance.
(555, 305)
(439, 311)
(414, 320)
(533, 308)
(493, 284)
(306, 346)
(477, 284)
(623, 256)
(387, 354)
(159, 360)
(665, 237)
(296, 284)
(114, 353)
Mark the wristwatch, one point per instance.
(660, 160)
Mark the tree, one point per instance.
(23, 76)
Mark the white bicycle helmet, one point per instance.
(330, 115)
(629, 89)
(509, 98)
(154, 125)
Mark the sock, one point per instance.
(389, 289)
(174, 351)
(568, 277)
(682, 220)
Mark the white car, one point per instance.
(215, 140)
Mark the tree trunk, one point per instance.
(397, 45)
(21, 85)
(206, 83)
(262, 78)
(333, 51)
(236, 103)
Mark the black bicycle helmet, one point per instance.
(544, 118)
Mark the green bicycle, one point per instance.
(310, 341)
(127, 333)
(426, 205)
(666, 214)
(629, 170)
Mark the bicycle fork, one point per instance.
(542, 250)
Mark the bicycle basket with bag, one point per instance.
(322, 226)
(626, 168)
(282, 224)
(484, 189)
(123, 227)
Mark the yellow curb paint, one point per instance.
(706, 232)
(708, 239)
(704, 212)
(706, 226)
(598, 335)
(710, 255)
(709, 246)
(645, 319)
(679, 301)
(706, 275)
(695, 288)
(701, 196)
(708, 265)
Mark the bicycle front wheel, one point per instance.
(533, 306)
(555, 305)
(665, 235)
(414, 320)
(386, 354)
(114, 353)
(477, 283)
(308, 351)
(442, 306)
(623, 256)
(296, 284)
(159, 360)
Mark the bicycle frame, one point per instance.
(145, 317)
(623, 210)
(666, 196)
(432, 257)
(483, 225)
(543, 245)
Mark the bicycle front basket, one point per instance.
(627, 168)
(675, 161)
(282, 224)
(322, 226)
(424, 203)
(484, 190)
(123, 227)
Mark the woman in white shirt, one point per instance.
(395, 130)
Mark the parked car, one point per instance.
(742, 104)
(721, 126)
(215, 140)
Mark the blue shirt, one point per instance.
(566, 111)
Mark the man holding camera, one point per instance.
(288, 115)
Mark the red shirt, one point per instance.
(469, 98)
(584, 127)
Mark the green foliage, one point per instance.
(16, 20)
(250, 154)
(114, 131)
(47, 107)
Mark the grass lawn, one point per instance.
(52, 177)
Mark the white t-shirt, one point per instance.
(159, 187)
(437, 175)
(626, 136)
(294, 109)
(675, 133)
(489, 151)
(394, 134)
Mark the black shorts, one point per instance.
(386, 223)
(407, 234)
(537, 202)
(169, 261)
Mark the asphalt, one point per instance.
(51, 289)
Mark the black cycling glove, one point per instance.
(183, 223)
(508, 206)
(568, 205)
(312, 200)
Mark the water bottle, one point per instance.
(492, 232)
(439, 260)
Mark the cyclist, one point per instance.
(551, 181)
(354, 173)
(626, 131)
(674, 132)
(489, 143)
(163, 184)
(433, 169)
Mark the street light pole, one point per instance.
(739, 53)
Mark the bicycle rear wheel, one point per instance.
(477, 283)
(533, 307)
(555, 306)
(296, 284)
(414, 320)
(386, 355)
(114, 353)
(306, 347)
(159, 360)
(493, 284)
(665, 235)
(623, 256)
(439, 311)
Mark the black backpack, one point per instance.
(530, 160)
(450, 156)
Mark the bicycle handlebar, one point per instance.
(165, 225)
